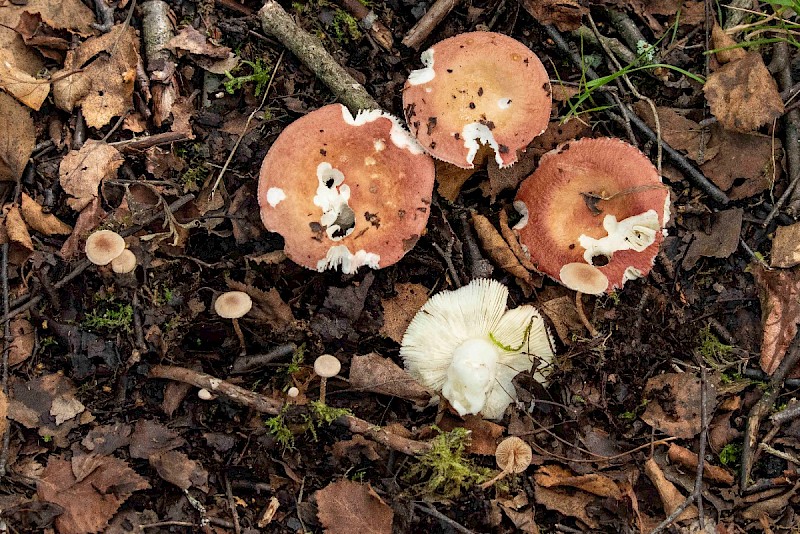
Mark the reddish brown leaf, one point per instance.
(151, 437)
(81, 171)
(346, 507)
(37, 219)
(17, 138)
(674, 403)
(177, 468)
(671, 498)
(551, 476)
(780, 309)
(399, 310)
(786, 246)
(375, 373)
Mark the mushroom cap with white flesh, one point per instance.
(327, 366)
(596, 211)
(513, 455)
(124, 263)
(468, 346)
(233, 304)
(103, 246)
(477, 88)
(346, 191)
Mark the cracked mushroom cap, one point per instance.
(593, 214)
(233, 304)
(346, 191)
(103, 246)
(477, 88)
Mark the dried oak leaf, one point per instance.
(17, 138)
(786, 246)
(720, 242)
(23, 86)
(498, 250)
(104, 87)
(14, 231)
(151, 437)
(71, 15)
(551, 476)
(742, 94)
(780, 312)
(674, 403)
(566, 15)
(400, 309)
(345, 507)
(23, 340)
(177, 468)
(44, 223)
(572, 504)
(373, 372)
(90, 501)
(82, 171)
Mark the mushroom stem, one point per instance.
(322, 389)
(240, 335)
(582, 315)
(500, 476)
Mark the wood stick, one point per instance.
(270, 406)
(311, 52)
(424, 26)
(368, 20)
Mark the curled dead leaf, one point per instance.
(44, 223)
(780, 304)
(373, 372)
(82, 171)
(17, 138)
(22, 341)
(14, 231)
(498, 250)
(345, 507)
(671, 498)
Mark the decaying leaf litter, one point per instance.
(130, 405)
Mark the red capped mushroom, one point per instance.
(593, 214)
(346, 191)
(477, 88)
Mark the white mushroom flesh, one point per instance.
(332, 198)
(340, 255)
(475, 134)
(634, 233)
(426, 74)
(471, 375)
(275, 195)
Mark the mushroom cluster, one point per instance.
(346, 191)
(105, 246)
(477, 88)
(593, 214)
(468, 346)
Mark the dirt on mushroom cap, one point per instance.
(478, 85)
(573, 192)
(389, 183)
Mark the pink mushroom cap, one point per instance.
(595, 212)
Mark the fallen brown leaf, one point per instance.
(44, 223)
(563, 313)
(14, 231)
(3, 413)
(346, 507)
(268, 306)
(400, 309)
(37, 34)
(355, 448)
(671, 498)
(188, 39)
(82, 171)
(23, 340)
(720, 242)
(451, 179)
(373, 372)
(512, 240)
(551, 476)
(674, 403)
(744, 164)
(780, 309)
(27, 89)
(151, 437)
(572, 504)
(786, 246)
(498, 250)
(484, 434)
(105, 439)
(720, 39)
(91, 501)
(566, 15)
(71, 15)
(742, 94)
(177, 468)
(688, 459)
(17, 138)
(680, 132)
(89, 219)
(104, 86)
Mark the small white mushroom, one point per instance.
(326, 366)
(124, 263)
(205, 395)
(234, 305)
(103, 246)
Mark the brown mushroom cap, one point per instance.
(478, 87)
(327, 366)
(124, 263)
(233, 304)
(582, 193)
(513, 455)
(323, 157)
(103, 246)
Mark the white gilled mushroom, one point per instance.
(103, 246)
(326, 366)
(234, 305)
(124, 263)
(465, 344)
(292, 392)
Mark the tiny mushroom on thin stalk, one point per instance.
(477, 88)
(234, 305)
(593, 214)
(468, 346)
(292, 392)
(346, 191)
(513, 455)
(325, 367)
(103, 246)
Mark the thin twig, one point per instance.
(424, 26)
(6, 342)
(701, 455)
(433, 512)
(237, 528)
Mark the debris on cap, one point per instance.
(233, 304)
(346, 191)
(103, 246)
(595, 211)
(466, 344)
(477, 88)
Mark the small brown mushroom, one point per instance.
(325, 367)
(477, 88)
(513, 456)
(234, 305)
(125, 263)
(103, 246)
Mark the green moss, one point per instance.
(282, 433)
(731, 454)
(259, 75)
(713, 351)
(444, 471)
(324, 414)
(298, 357)
(110, 316)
